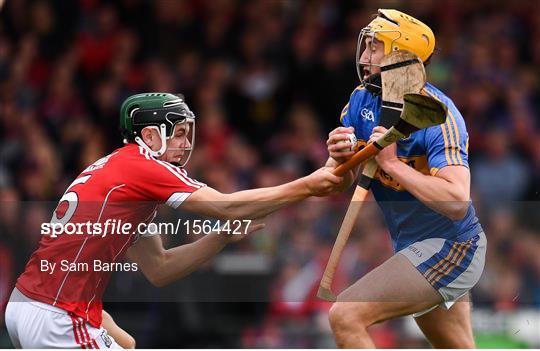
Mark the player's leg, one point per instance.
(449, 329)
(36, 325)
(123, 338)
(393, 289)
(453, 276)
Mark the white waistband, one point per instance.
(17, 296)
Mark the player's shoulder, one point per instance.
(454, 117)
(133, 155)
(130, 161)
(145, 168)
(137, 161)
(360, 93)
(359, 98)
(119, 158)
(430, 90)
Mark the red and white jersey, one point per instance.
(125, 186)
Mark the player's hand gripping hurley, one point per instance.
(403, 76)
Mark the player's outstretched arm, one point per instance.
(119, 335)
(162, 267)
(257, 203)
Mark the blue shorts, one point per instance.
(452, 267)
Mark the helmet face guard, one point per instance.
(168, 114)
(373, 82)
(188, 142)
(361, 46)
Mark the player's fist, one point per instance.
(323, 182)
(341, 143)
(389, 153)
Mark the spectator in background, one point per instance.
(86, 56)
(500, 177)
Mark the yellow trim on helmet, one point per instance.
(400, 31)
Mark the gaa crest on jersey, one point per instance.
(367, 115)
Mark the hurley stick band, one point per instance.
(393, 105)
(369, 171)
(400, 64)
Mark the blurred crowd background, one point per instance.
(267, 80)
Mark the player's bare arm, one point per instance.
(250, 204)
(256, 203)
(163, 266)
(448, 192)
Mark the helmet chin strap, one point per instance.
(373, 84)
(162, 133)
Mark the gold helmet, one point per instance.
(398, 31)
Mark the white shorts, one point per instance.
(451, 267)
(36, 325)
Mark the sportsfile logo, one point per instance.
(120, 227)
(110, 226)
(367, 115)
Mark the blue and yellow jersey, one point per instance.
(427, 151)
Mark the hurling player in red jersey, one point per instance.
(55, 306)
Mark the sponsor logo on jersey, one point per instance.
(106, 339)
(419, 163)
(367, 115)
(360, 144)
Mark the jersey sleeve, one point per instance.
(163, 182)
(447, 144)
(346, 118)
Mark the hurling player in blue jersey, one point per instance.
(423, 190)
